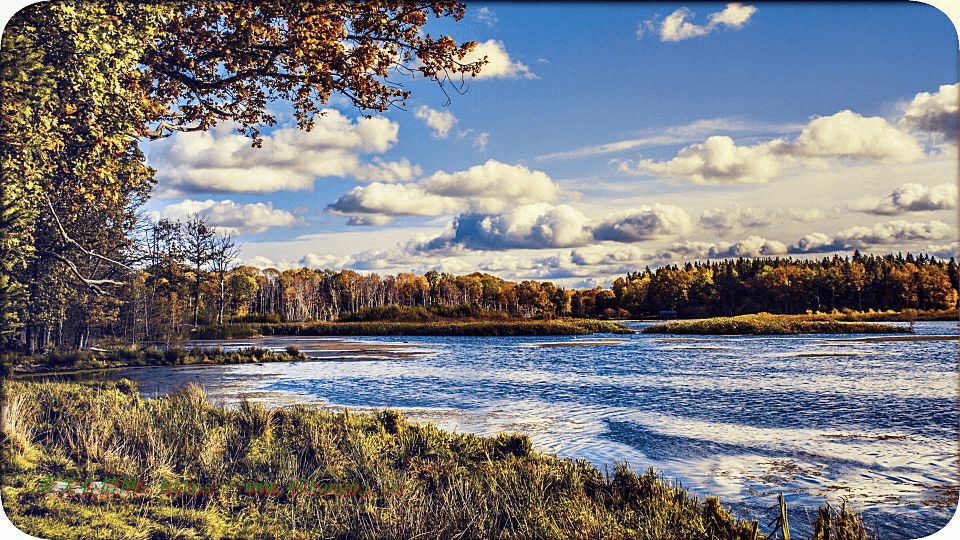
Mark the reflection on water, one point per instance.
(743, 418)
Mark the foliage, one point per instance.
(455, 485)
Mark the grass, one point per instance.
(455, 485)
(428, 328)
(70, 361)
(767, 324)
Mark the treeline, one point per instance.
(188, 279)
(787, 286)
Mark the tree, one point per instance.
(198, 244)
(82, 83)
(223, 255)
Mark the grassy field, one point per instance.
(454, 485)
(767, 324)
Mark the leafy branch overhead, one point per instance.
(215, 61)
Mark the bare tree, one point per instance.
(223, 259)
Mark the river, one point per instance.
(816, 417)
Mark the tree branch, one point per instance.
(93, 284)
(74, 243)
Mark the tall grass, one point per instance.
(455, 485)
(440, 327)
(767, 324)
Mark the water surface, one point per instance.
(874, 422)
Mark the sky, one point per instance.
(604, 138)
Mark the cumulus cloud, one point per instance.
(486, 188)
(880, 234)
(643, 224)
(386, 171)
(844, 135)
(525, 227)
(676, 27)
(718, 160)
(910, 198)
(368, 220)
(848, 135)
(499, 63)
(752, 246)
(439, 121)
(543, 226)
(485, 15)
(231, 218)
(935, 113)
(609, 255)
(290, 159)
(394, 199)
(319, 262)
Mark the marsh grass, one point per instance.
(455, 485)
(439, 327)
(767, 324)
(60, 362)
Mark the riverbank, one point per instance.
(767, 324)
(454, 485)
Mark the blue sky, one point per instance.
(603, 138)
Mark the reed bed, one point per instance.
(455, 485)
(767, 324)
(430, 328)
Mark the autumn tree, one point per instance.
(83, 83)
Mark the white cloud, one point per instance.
(486, 188)
(487, 16)
(334, 262)
(493, 186)
(849, 135)
(290, 159)
(858, 237)
(231, 218)
(394, 199)
(680, 134)
(936, 113)
(643, 224)
(499, 63)
(752, 246)
(910, 198)
(439, 122)
(530, 226)
(619, 146)
(387, 171)
(608, 255)
(844, 135)
(370, 220)
(676, 27)
(718, 160)
(543, 226)
(480, 141)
